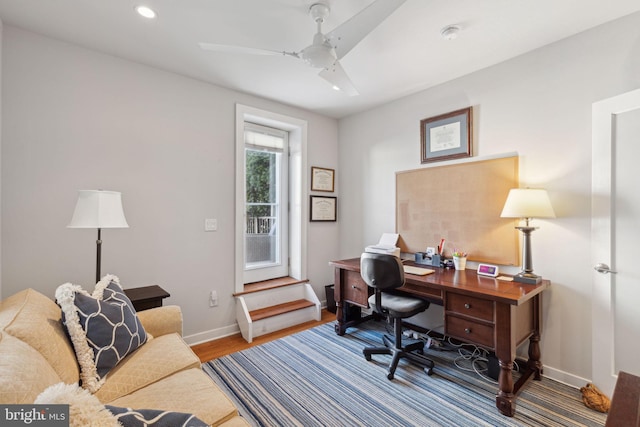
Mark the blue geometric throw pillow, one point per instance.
(154, 418)
(103, 327)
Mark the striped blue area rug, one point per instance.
(317, 378)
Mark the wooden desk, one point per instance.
(490, 313)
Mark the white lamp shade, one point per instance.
(527, 203)
(98, 209)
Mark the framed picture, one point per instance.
(323, 208)
(322, 179)
(446, 137)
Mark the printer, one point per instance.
(386, 245)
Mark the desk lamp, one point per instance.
(98, 209)
(527, 203)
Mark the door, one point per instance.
(615, 234)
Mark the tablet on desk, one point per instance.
(417, 270)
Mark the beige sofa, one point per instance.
(164, 373)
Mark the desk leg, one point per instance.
(506, 353)
(534, 363)
(506, 400)
(341, 317)
(534, 342)
(505, 350)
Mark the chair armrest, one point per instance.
(162, 320)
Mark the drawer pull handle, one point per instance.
(354, 286)
(467, 330)
(467, 305)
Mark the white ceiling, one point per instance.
(404, 55)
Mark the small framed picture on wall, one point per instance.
(322, 179)
(323, 208)
(447, 136)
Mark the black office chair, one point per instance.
(385, 273)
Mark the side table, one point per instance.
(146, 297)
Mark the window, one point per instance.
(295, 166)
(266, 200)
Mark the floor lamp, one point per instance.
(98, 209)
(527, 203)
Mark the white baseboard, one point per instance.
(564, 377)
(212, 334)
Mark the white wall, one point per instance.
(77, 119)
(539, 105)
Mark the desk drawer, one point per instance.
(469, 331)
(355, 289)
(470, 306)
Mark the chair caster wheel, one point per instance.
(420, 351)
(389, 376)
(367, 356)
(429, 371)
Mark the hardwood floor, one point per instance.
(223, 346)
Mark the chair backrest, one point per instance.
(381, 271)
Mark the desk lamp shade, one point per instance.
(98, 209)
(527, 203)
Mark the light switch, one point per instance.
(210, 224)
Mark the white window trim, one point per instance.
(298, 211)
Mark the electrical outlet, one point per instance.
(213, 299)
(210, 224)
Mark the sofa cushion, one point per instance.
(35, 319)
(190, 391)
(157, 359)
(24, 372)
(236, 421)
(103, 327)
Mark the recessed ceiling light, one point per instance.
(450, 32)
(146, 12)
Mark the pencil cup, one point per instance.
(459, 262)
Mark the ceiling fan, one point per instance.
(327, 49)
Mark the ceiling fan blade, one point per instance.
(241, 49)
(339, 79)
(350, 33)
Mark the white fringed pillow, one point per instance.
(85, 410)
(103, 327)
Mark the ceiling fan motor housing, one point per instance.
(320, 54)
(319, 11)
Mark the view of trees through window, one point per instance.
(260, 193)
(265, 196)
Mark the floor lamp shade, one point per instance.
(98, 209)
(527, 203)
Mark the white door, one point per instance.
(615, 236)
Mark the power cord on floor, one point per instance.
(471, 358)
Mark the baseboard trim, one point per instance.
(212, 334)
(564, 377)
